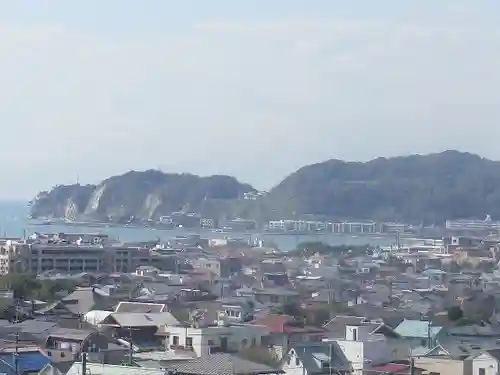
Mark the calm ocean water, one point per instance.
(13, 223)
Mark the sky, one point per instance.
(253, 89)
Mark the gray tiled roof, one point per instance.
(138, 307)
(71, 334)
(220, 364)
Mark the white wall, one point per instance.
(292, 366)
(204, 338)
(487, 362)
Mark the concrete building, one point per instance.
(39, 258)
(223, 337)
(473, 225)
(211, 264)
(354, 227)
(7, 256)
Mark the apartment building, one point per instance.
(473, 225)
(297, 225)
(72, 258)
(354, 227)
(7, 256)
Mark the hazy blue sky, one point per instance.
(253, 89)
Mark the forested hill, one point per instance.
(430, 188)
(144, 195)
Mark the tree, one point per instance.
(24, 286)
(429, 188)
(455, 313)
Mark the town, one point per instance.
(78, 303)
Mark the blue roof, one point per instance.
(26, 362)
(416, 329)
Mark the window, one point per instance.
(210, 342)
(482, 371)
(189, 342)
(288, 360)
(355, 334)
(175, 340)
(297, 362)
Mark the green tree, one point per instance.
(455, 313)
(24, 286)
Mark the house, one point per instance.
(145, 271)
(440, 360)
(284, 330)
(371, 344)
(213, 339)
(418, 333)
(27, 360)
(78, 303)
(315, 359)
(211, 264)
(486, 363)
(68, 343)
(140, 307)
(272, 296)
(140, 328)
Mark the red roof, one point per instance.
(274, 323)
(390, 368)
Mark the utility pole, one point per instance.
(84, 363)
(16, 355)
(330, 359)
(429, 322)
(131, 349)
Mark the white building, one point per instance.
(7, 255)
(219, 338)
(486, 363)
(315, 359)
(364, 349)
(473, 225)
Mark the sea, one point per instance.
(15, 224)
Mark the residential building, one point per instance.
(419, 333)
(223, 337)
(285, 330)
(7, 256)
(368, 345)
(207, 223)
(211, 264)
(486, 363)
(316, 359)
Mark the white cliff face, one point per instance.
(70, 209)
(95, 199)
(151, 203)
